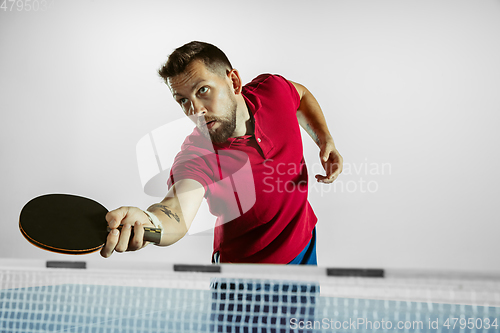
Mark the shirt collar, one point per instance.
(252, 101)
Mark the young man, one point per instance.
(244, 156)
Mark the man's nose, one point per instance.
(197, 109)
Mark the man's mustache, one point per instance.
(203, 121)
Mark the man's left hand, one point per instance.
(332, 162)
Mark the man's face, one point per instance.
(207, 99)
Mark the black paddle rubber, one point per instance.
(68, 224)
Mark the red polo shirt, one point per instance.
(257, 184)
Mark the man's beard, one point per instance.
(226, 125)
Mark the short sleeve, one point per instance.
(294, 95)
(276, 88)
(189, 165)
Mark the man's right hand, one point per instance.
(185, 193)
(120, 241)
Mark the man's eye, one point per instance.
(203, 90)
(183, 101)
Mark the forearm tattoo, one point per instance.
(167, 211)
(313, 134)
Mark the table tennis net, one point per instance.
(69, 301)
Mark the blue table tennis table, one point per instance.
(72, 300)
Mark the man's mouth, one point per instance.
(210, 124)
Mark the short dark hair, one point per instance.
(214, 59)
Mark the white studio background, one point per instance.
(410, 90)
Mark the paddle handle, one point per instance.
(150, 234)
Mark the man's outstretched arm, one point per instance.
(312, 120)
(176, 213)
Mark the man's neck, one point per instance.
(244, 121)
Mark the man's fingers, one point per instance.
(111, 242)
(333, 176)
(325, 179)
(115, 217)
(132, 221)
(124, 238)
(332, 171)
(332, 168)
(137, 241)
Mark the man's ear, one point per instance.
(235, 79)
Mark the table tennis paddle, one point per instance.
(69, 224)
